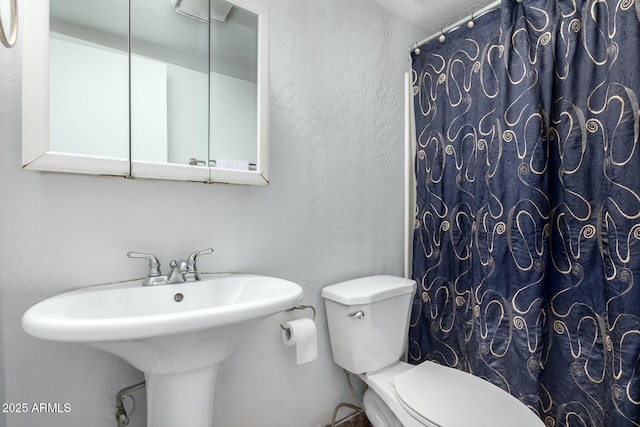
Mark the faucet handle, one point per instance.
(192, 271)
(194, 255)
(154, 263)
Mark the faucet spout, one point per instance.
(177, 273)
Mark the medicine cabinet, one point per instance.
(166, 89)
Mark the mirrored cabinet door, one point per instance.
(166, 89)
(234, 89)
(89, 78)
(239, 101)
(169, 87)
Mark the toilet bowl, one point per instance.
(368, 328)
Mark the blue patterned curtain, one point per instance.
(527, 239)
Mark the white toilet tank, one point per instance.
(369, 321)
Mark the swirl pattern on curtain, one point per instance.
(527, 239)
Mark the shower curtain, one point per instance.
(527, 233)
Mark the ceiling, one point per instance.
(162, 33)
(433, 15)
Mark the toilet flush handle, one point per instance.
(356, 315)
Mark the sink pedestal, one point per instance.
(180, 371)
(184, 399)
(177, 334)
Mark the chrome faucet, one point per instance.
(181, 271)
(192, 274)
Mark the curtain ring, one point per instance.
(471, 24)
(10, 41)
(442, 37)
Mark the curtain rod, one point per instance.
(440, 35)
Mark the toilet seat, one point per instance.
(381, 382)
(442, 396)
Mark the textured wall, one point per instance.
(432, 16)
(333, 211)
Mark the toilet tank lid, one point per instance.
(367, 290)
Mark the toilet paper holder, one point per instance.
(302, 307)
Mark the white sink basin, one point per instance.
(127, 311)
(177, 334)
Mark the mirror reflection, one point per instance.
(189, 96)
(234, 66)
(169, 84)
(89, 78)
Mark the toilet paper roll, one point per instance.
(303, 334)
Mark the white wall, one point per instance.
(333, 212)
(148, 110)
(234, 106)
(89, 114)
(188, 108)
(234, 118)
(89, 100)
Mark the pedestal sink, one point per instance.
(176, 334)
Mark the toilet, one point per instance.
(368, 328)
